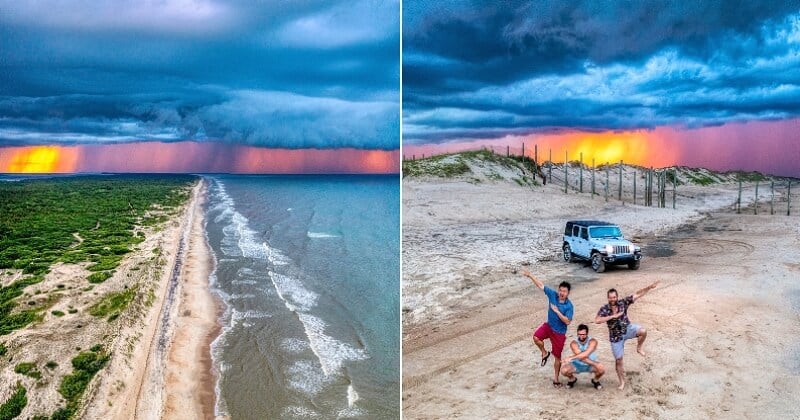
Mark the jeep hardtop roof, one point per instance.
(589, 223)
(585, 223)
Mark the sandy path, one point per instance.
(722, 341)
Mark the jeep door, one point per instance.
(581, 241)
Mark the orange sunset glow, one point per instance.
(638, 147)
(38, 159)
(187, 156)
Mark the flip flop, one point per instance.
(597, 384)
(557, 385)
(544, 359)
(571, 383)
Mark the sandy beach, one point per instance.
(723, 323)
(168, 371)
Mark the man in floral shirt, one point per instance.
(620, 328)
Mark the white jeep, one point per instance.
(601, 243)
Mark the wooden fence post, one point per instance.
(550, 167)
(607, 165)
(593, 170)
(580, 173)
(565, 172)
(755, 206)
(789, 200)
(634, 187)
(772, 197)
(739, 198)
(620, 180)
(674, 186)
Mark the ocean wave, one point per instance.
(303, 376)
(244, 282)
(352, 395)
(321, 235)
(294, 345)
(350, 412)
(292, 292)
(332, 353)
(300, 412)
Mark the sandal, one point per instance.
(571, 383)
(557, 385)
(597, 384)
(544, 359)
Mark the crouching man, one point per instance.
(583, 359)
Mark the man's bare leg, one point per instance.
(540, 344)
(569, 371)
(642, 335)
(620, 374)
(557, 367)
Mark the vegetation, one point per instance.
(100, 276)
(3, 349)
(454, 164)
(51, 365)
(57, 313)
(14, 405)
(113, 304)
(701, 179)
(749, 176)
(72, 220)
(86, 364)
(436, 166)
(28, 369)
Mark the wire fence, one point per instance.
(652, 187)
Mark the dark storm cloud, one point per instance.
(323, 73)
(489, 69)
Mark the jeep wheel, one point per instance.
(598, 264)
(568, 255)
(634, 265)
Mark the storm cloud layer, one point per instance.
(299, 74)
(478, 70)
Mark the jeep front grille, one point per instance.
(622, 249)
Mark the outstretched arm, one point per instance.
(639, 293)
(536, 281)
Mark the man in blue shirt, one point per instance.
(555, 329)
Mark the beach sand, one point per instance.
(167, 371)
(723, 324)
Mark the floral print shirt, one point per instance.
(617, 327)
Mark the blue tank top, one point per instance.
(585, 345)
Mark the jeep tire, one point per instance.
(634, 265)
(598, 265)
(568, 255)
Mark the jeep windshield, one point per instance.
(605, 232)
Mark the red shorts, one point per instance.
(556, 339)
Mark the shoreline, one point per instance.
(190, 378)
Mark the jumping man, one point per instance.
(558, 317)
(620, 329)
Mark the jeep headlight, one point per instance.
(609, 249)
(637, 248)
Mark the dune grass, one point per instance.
(77, 219)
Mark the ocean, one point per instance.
(309, 270)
